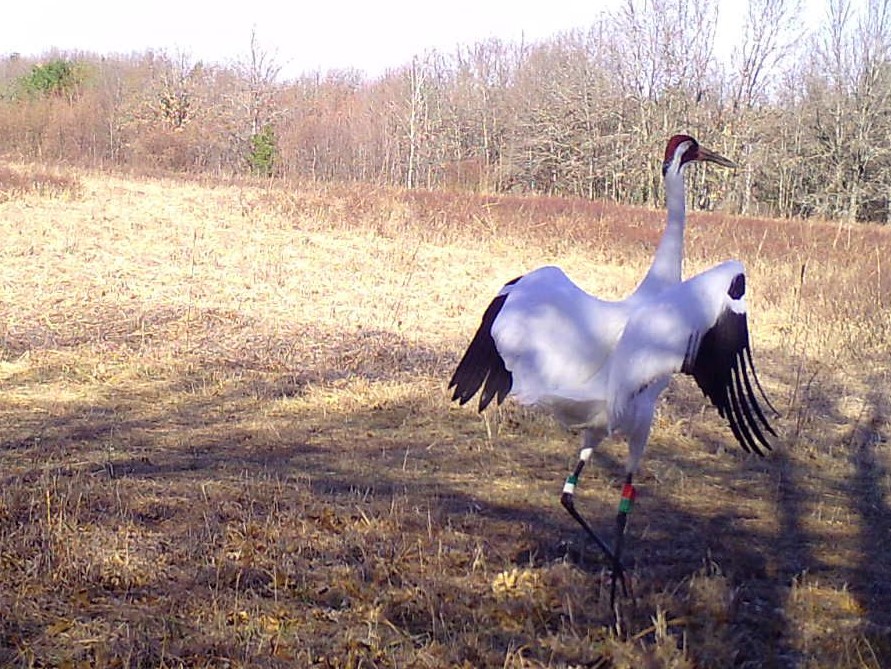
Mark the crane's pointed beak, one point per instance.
(712, 157)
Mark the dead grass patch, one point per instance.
(21, 181)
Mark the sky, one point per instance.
(302, 36)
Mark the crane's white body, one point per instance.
(599, 365)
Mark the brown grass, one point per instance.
(226, 440)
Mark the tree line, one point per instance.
(806, 114)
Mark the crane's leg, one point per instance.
(567, 499)
(637, 443)
(625, 504)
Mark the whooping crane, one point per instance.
(600, 366)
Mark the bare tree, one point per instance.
(662, 57)
(416, 75)
(849, 109)
(771, 28)
(259, 73)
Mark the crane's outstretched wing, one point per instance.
(482, 366)
(542, 339)
(698, 327)
(723, 368)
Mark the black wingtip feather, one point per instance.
(722, 367)
(776, 413)
(751, 392)
(737, 424)
(482, 365)
(749, 404)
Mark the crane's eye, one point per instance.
(690, 154)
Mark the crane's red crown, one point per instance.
(676, 141)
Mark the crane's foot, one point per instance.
(617, 576)
(618, 570)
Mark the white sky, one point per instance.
(302, 36)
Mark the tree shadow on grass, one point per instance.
(870, 487)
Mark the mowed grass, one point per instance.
(225, 439)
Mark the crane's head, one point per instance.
(683, 149)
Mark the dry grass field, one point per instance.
(226, 441)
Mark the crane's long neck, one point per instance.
(669, 258)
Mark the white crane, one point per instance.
(600, 366)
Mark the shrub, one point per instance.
(263, 155)
(57, 78)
